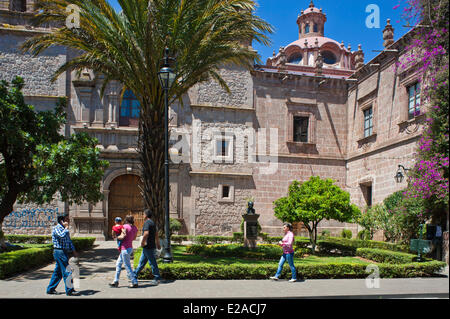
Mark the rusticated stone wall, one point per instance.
(36, 71)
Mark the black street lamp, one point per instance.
(401, 175)
(166, 77)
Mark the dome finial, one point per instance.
(311, 5)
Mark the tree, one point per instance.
(429, 178)
(203, 36)
(368, 220)
(401, 217)
(313, 201)
(36, 162)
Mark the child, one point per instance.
(117, 230)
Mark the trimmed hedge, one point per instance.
(317, 271)
(262, 252)
(18, 261)
(21, 260)
(80, 243)
(385, 256)
(28, 239)
(348, 247)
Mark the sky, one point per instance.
(346, 21)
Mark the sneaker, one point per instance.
(133, 286)
(155, 282)
(52, 292)
(114, 284)
(293, 280)
(274, 278)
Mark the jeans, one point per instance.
(290, 259)
(125, 257)
(150, 256)
(62, 261)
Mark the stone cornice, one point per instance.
(225, 107)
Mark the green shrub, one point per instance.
(348, 247)
(29, 239)
(180, 238)
(261, 252)
(203, 271)
(175, 225)
(209, 240)
(346, 233)
(83, 243)
(301, 242)
(264, 236)
(238, 238)
(385, 256)
(325, 233)
(364, 235)
(80, 243)
(21, 260)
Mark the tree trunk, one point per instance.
(311, 237)
(151, 149)
(6, 207)
(2, 239)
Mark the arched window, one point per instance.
(316, 27)
(296, 58)
(329, 57)
(307, 28)
(129, 109)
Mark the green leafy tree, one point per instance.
(37, 162)
(203, 36)
(369, 221)
(313, 201)
(402, 217)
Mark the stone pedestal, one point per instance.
(250, 230)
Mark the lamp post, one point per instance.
(401, 175)
(166, 78)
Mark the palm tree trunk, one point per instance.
(151, 150)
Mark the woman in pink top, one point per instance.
(288, 253)
(129, 233)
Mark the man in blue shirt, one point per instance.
(62, 247)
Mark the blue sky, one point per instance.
(346, 21)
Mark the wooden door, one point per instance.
(125, 199)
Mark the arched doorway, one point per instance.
(125, 198)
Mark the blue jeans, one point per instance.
(62, 261)
(125, 258)
(290, 259)
(150, 256)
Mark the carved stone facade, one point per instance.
(283, 121)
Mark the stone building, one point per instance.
(314, 108)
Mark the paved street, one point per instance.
(98, 267)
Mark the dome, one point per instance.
(313, 42)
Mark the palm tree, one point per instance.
(128, 47)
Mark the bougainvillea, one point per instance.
(428, 53)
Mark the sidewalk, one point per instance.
(97, 268)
